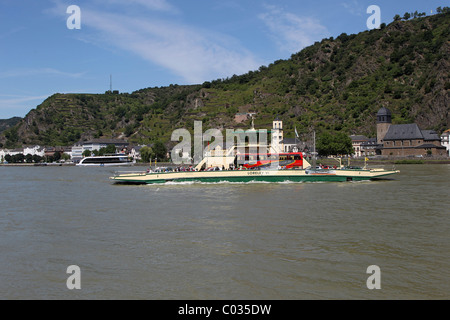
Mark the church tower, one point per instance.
(277, 135)
(384, 121)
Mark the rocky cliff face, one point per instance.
(8, 123)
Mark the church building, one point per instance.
(403, 140)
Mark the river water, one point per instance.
(223, 241)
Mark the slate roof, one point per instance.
(430, 135)
(370, 142)
(429, 146)
(403, 132)
(359, 138)
(290, 141)
(384, 112)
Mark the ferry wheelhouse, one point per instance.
(108, 160)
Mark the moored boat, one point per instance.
(108, 160)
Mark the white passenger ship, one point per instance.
(108, 160)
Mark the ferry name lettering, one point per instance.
(257, 173)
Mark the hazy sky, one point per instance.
(148, 43)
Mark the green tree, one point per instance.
(129, 130)
(57, 156)
(146, 154)
(87, 153)
(409, 68)
(36, 158)
(18, 158)
(29, 158)
(397, 17)
(120, 112)
(406, 16)
(109, 149)
(65, 157)
(336, 143)
(160, 150)
(12, 137)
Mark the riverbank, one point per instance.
(36, 164)
(393, 161)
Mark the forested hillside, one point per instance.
(333, 85)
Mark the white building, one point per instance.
(36, 150)
(293, 145)
(277, 136)
(357, 143)
(445, 141)
(95, 144)
(135, 152)
(13, 152)
(68, 151)
(77, 152)
(5, 152)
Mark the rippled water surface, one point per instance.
(223, 241)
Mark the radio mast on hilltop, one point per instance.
(110, 82)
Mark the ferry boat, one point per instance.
(106, 161)
(285, 167)
(240, 164)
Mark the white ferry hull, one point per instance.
(105, 164)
